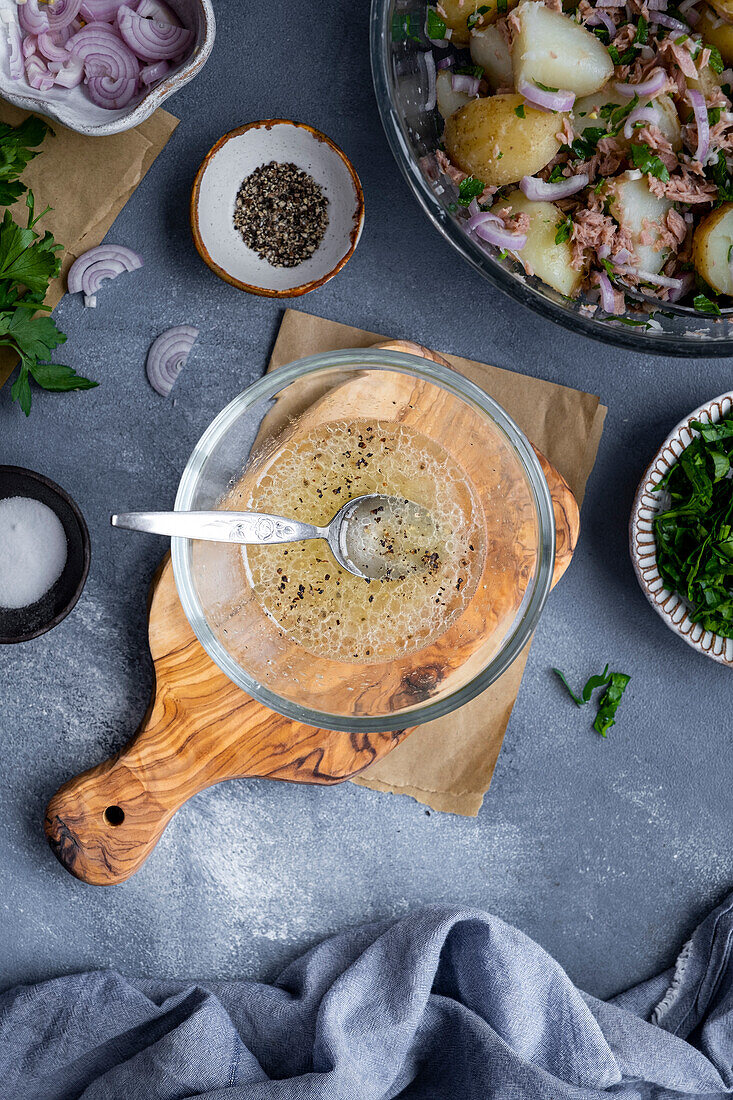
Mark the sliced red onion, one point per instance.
(687, 282)
(639, 114)
(496, 233)
(62, 13)
(33, 20)
(15, 45)
(667, 21)
(103, 53)
(69, 74)
(538, 190)
(608, 295)
(156, 9)
(107, 261)
(610, 4)
(646, 53)
(432, 99)
(697, 102)
(30, 44)
(112, 93)
(658, 5)
(649, 277)
(650, 87)
(461, 82)
(445, 63)
(99, 11)
(481, 217)
(49, 48)
(551, 101)
(167, 357)
(150, 39)
(606, 19)
(622, 256)
(604, 251)
(37, 74)
(151, 74)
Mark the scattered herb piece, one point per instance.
(642, 31)
(435, 27)
(502, 6)
(476, 71)
(703, 304)
(521, 113)
(714, 115)
(556, 174)
(649, 162)
(716, 61)
(694, 536)
(564, 230)
(615, 685)
(609, 703)
(545, 87)
(624, 58)
(470, 189)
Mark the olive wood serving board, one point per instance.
(201, 729)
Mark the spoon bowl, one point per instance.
(355, 535)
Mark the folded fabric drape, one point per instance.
(443, 1003)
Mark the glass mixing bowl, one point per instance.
(401, 87)
(443, 441)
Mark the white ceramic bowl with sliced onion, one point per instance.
(648, 503)
(46, 73)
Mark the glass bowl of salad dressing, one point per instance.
(316, 643)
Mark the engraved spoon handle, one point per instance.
(251, 528)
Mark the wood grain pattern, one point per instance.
(201, 729)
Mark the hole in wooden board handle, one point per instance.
(565, 506)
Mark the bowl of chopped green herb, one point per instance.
(681, 530)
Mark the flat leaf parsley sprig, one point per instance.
(28, 262)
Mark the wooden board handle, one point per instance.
(565, 506)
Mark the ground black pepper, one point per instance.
(281, 213)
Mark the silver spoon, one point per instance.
(354, 534)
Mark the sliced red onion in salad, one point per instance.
(608, 295)
(604, 18)
(492, 229)
(699, 107)
(168, 355)
(639, 114)
(559, 100)
(432, 97)
(669, 22)
(649, 277)
(444, 63)
(650, 87)
(538, 190)
(107, 261)
(462, 82)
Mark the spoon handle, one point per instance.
(251, 528)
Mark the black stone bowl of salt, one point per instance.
(20, 624)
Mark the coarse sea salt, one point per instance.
(32, 551)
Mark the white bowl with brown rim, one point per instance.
(234, 157)
(674, 610)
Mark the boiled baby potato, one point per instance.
(715, 33)
(448, 100)
(549, 261)
(711, 246)
(489, 48)
(456, 13)
(707, 81)
(632, 204)
(587, 112)
(487, 139)
(552, 49)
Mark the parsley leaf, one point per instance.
(520, 111)
(649, 162)
(642, 31)
(704, 305)
(556, 174)
(564, 229)
(476, 71)
(545, 87)
(470, 189)
(716, 61)
(435, 27)
(502, 6)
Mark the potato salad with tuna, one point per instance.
(593, 144)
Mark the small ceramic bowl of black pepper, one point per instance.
(37, 517)
(277, 208)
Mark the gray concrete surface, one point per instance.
(607, 852)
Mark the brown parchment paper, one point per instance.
(87, 181)
(448, 764)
